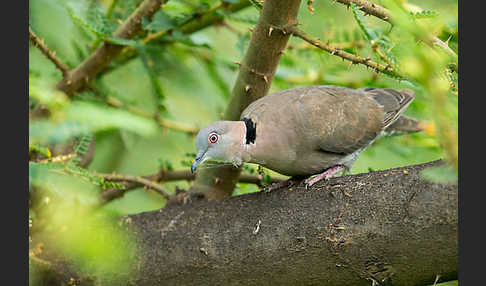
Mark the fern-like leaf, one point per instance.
(424, 14)
(156, 86)
(95, 22)
(374, 35)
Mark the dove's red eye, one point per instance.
(213, 138)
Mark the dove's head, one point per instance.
(221, 141)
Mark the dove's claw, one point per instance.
(323, 176)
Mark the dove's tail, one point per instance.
(394, 102)
(404, 125)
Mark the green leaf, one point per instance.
(53, 99)
(257, 4)
(50, 132)
(440, 175)
(95, 23)
(98, 117)
(157, 90)
(247, 19)
(160, 22)
(123, 42)
(424, 14)
(165, 165)
(97, 18)
(82, 118)
(191, 41)
(44, 151)
(93, 242)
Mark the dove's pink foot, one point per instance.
(323, 176)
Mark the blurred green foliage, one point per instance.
(187, 79)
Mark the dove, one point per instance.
(301, 132)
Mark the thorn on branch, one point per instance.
(309, 6)
(51, 55)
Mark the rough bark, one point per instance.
(257, 69)
(388, 226)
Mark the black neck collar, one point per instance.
(250, 130)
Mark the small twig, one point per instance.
(39, 43)
(161, 121)
(138, 180)
(81, 76)
(158, 35)
(436, 41)
(369, 8)
(231, 28)
(257, 227)
(382, 56)
(197, 23)
(384, 14)
(60, 158)
(354, 59)
(342, 46)
(109, 13)
(40, 261)
(166, 176)
(436, 279)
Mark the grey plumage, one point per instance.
(304, 131)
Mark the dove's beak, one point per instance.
(198, 160)
(194, 166)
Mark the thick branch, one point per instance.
(38, 42)
(257, 69)
(86, 71)
(388, 227)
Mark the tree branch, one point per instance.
(385, 15)
(369, 8)
(163, 122)
(254, 78)
(354, 59)
(136, 181)
(341, 46)
(39, 43)
(163, 176)
(199, 22)
(86, 71)
(387, 227)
